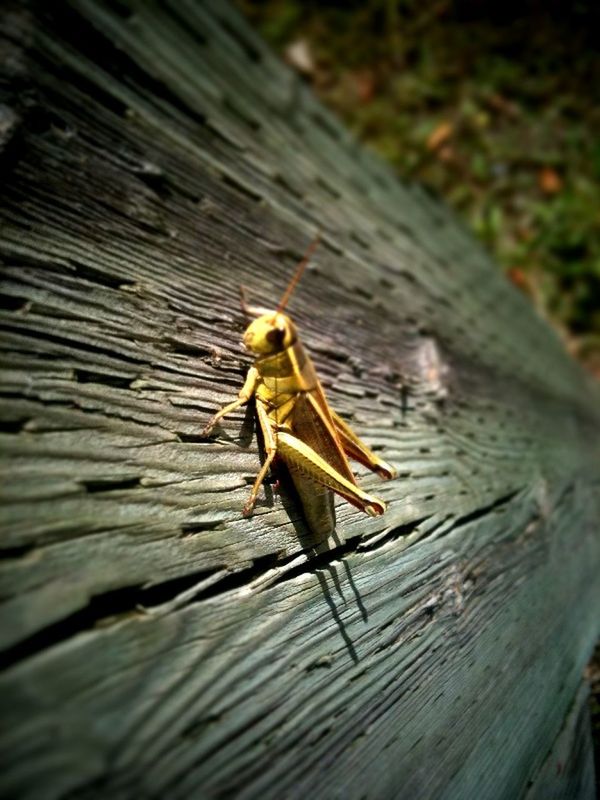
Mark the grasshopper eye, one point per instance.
(276, 336)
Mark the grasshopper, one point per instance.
(296, 421)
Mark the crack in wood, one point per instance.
(63, 341)
(9, 302)
(497, 506)
(393, 534)
(104, 378)
(13, 426)
(117, 484)
(116, 605)
(16, 552)
(194, 528)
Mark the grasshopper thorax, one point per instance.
(270, 333)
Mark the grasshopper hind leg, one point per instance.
(357, 450)
(298, 454)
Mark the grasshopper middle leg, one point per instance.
(270, 443)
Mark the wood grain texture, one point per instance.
(155, 156)
(569, 768)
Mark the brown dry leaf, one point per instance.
(519, 278)
(549, 181)
(524, 233)
(447, 154)
(504, 106)
(364, 82)
(440, 134)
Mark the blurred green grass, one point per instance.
(495, 108)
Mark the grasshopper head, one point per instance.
(270, 333)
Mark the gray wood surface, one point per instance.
(154, 156)
(568, 772)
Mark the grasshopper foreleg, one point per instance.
(245, 394)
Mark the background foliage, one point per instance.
(495, 107)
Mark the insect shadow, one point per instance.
(322, 556)
(322, 553)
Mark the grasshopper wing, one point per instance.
(311, 448)
(312, 422)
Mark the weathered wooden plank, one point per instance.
(568, 771)
(155, 156)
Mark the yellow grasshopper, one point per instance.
(296, 421)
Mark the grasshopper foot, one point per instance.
(248, 508)
(386, 472)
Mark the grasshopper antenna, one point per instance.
(298, 274)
